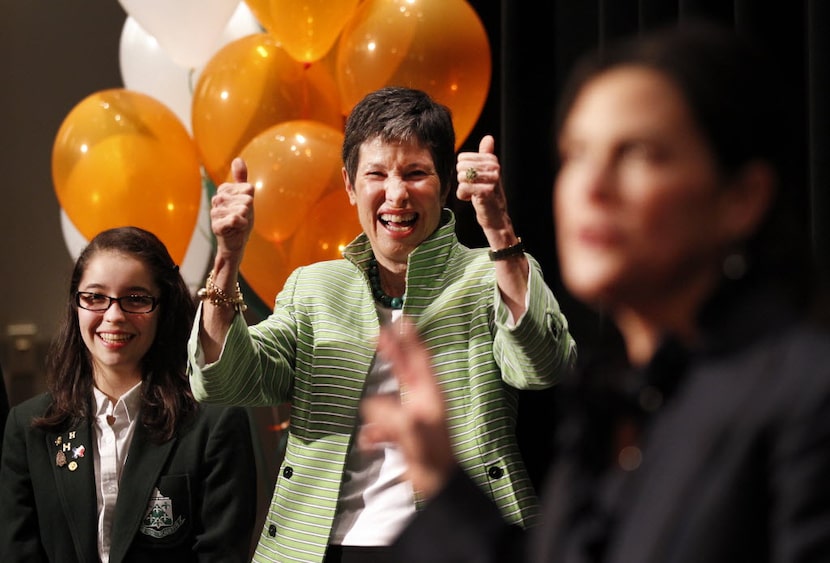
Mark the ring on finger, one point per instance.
(471, 174)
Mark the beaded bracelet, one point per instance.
(218, 298)
(514, 250)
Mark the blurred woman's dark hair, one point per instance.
(738, 101)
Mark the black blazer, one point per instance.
(206, 476)
(4, 405)
(734, 467)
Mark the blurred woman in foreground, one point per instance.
(710, 440)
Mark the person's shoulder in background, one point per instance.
(4, 406)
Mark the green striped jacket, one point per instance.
(317, 348)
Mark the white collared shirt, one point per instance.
(113, 443)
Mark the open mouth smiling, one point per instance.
(111, 338)
(398, 222)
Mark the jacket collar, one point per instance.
(128, 405)
(434, 250)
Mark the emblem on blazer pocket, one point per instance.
(158, 520)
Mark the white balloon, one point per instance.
(200, 251)
(147, 68)
(188, 30)
(242, 23)
(75, 241)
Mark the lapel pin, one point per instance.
(66, 446)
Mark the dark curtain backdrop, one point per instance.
(535, 44)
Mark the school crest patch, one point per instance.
(159, 519)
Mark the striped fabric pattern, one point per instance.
(317, 348)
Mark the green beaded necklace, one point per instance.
(377, 291)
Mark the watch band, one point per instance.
(504, 253)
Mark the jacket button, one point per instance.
(287, 472)
(272, 530)
(495, 472)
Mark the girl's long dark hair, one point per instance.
(166, 398)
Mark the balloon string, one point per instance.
(306, 94)
(210, 189)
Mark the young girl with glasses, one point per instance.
(117, 461)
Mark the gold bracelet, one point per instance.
(218, 298)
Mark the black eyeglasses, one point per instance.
(129, 303)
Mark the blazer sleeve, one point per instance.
(539, 349)
(229, 488)
(800, 462)
(19, 536)
(256, 365)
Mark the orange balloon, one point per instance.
(123, 158)
(265, 267)
(306, 29)
(249, 85)
(290, 166)
(330, 225)
(438, 46)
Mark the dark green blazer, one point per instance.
(206, 476)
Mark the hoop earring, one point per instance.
(735, 265)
